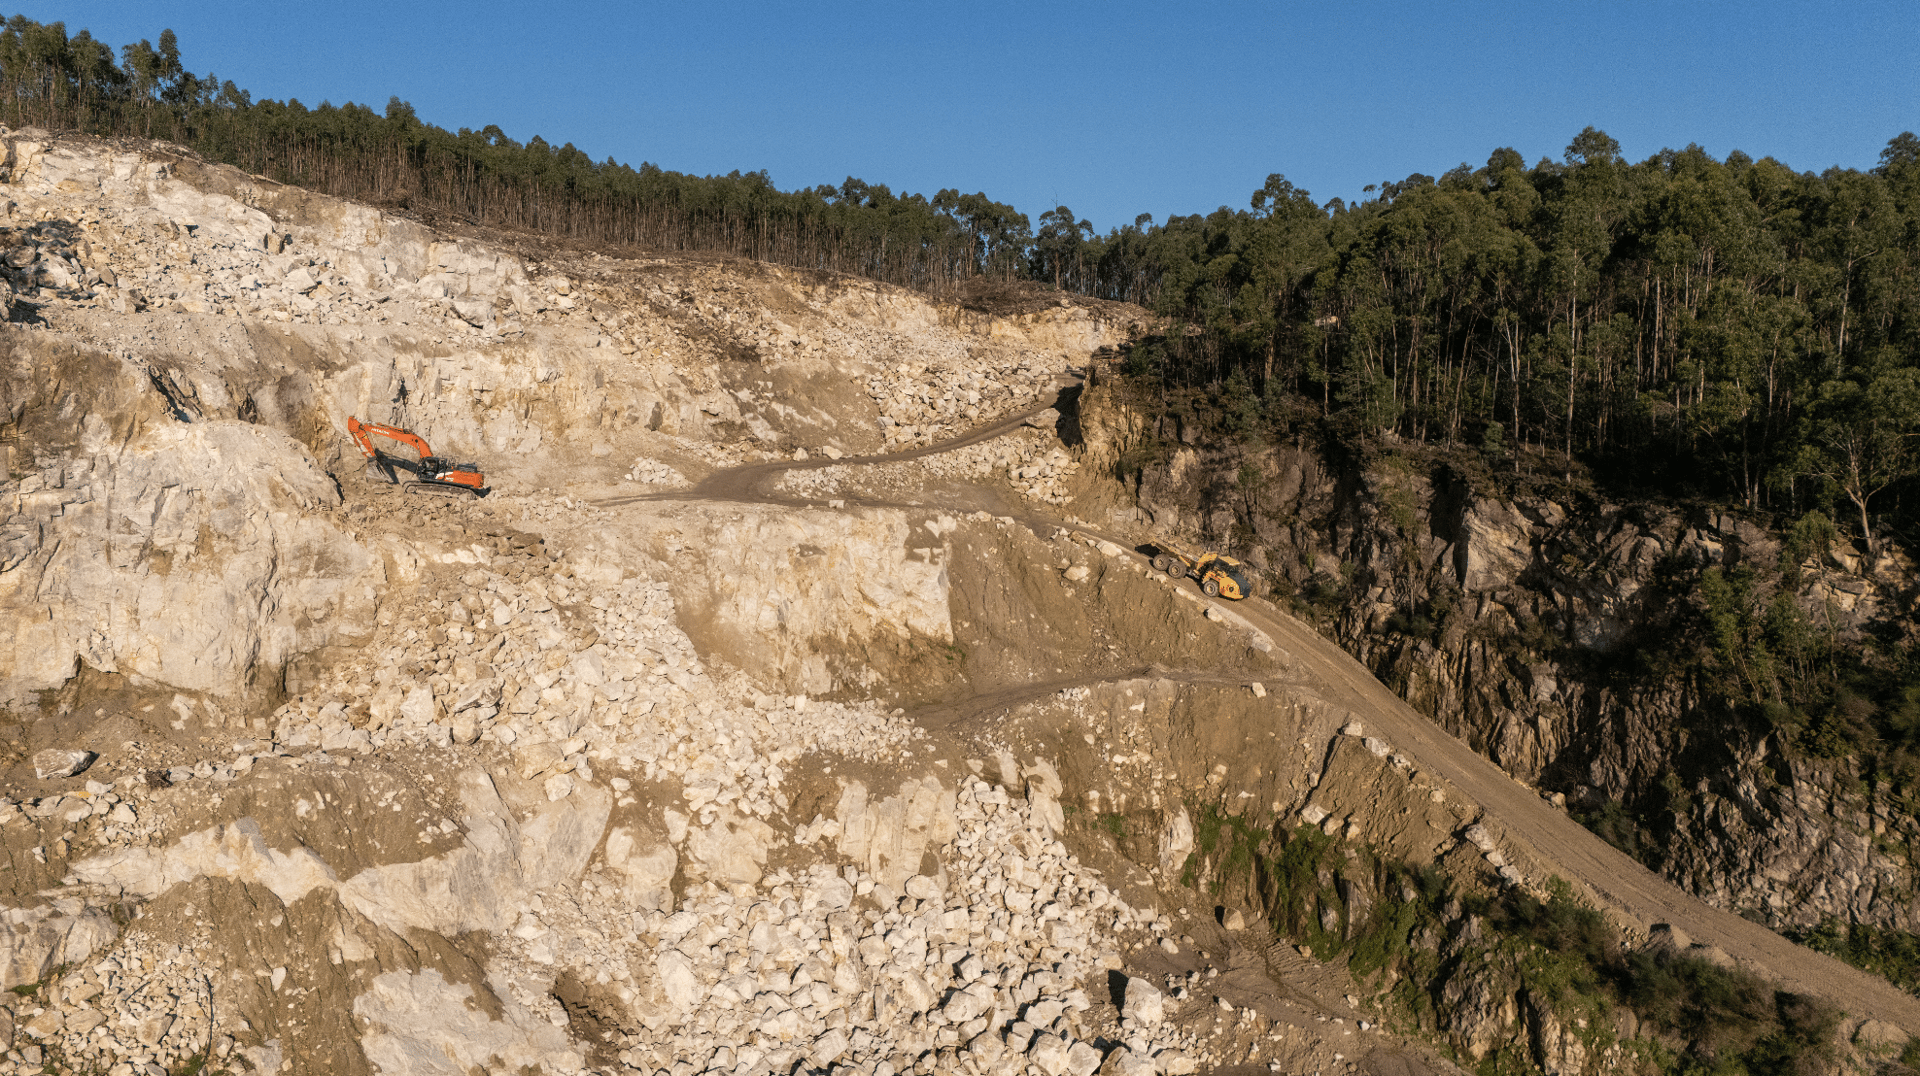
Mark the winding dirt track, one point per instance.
(1612, 879)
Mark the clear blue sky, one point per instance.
(1113, 108)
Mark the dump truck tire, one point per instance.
(1210, 587)
(1162, 563)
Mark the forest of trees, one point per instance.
(1732, 329)
(391, 158)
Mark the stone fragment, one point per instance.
(915, 992)
(986, 1050)
(1144, 1004)
(828, 1047)
(85, 1020)
(1176, 841)
(967, 1005)
(419, 707)
(677, 980)
(1049, 1051)
(55, 763)
(1082, 1059)
(479, 693)
(465, 728)
(1175, 1063)
(385, 704)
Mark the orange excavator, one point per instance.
(431, 474)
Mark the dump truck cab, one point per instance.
(1222, 576)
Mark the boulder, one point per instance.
(732, 850)
(888, 838)
(1144, 1003)
(55, 763)
(35, 941)
(1082, 1059)
(1049, 1052)
(420, 709)
(648, 865)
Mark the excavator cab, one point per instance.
(431, 474)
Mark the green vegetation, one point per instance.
(1892, 954)
(1414, 929)
(1758, 657)
(1230, 843)
(394, 159)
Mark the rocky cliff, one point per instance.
(1550, 625)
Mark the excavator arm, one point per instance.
(362, 432)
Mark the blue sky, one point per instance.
(1114, 109)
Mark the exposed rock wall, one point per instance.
(1514, 619)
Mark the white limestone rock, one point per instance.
(888, 838)
(732, 850)
(1176, 841)
(33, 941)
(419, 1022)
(1144, 1004)
(55, 763)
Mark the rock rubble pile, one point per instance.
(1031, 462)
(142, 1011)
(651, 472)
(983, 969)
(921, 403)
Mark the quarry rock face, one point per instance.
(705, 742)
(1786, 837)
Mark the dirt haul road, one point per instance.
(1611, 880)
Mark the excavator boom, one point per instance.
(361, 432)
(431, 474)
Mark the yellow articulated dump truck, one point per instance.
(1220, 576)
